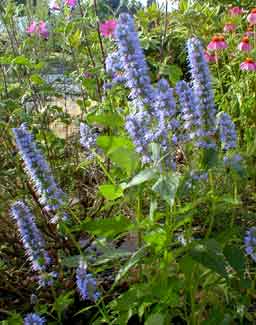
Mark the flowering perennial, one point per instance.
(244, 45)
(107, 29)
(252, 17)
(50, 195)
(115, 69)
(142, 93)
(190, 112)
(86, 283)
(248, 65)
(39, 29)
(31, 237)
(133, 61)
(88, 137)
(227, 132)
(250, 243)
(202, 88)
(34, 319)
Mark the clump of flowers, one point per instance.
(107, 29)
(86, 283)
(39, 29)
(31, 237)
(34, 319)
(250, 243)
(114, 68)
(190, 110)
(227, 132)
(50, 195)
(202, 88)
(88, 137)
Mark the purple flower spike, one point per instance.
(86, 283)
(227, 132)
(34, 319)
(250, 243)
(202, 88)
(31, 237)
(36, 167)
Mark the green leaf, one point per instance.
(155, 319)
(167, 187)
(110, 143)
(143, 176)
(110, 191)
(135, 259)
(63, 301)
(108, 119)
(172, 71)
(109, 228)
(126, 159)
(75, 39)
(21, 60)
(36, 79)
(236, 258)
(121, 151)
(209, 255)
(157, 239)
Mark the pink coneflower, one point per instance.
(43, 30)
(217, 43)
(223, 44)
(249, 31)
(210, 57)
(32, 28)
(248, 65)
(244, 45)
(235, 11)
(251, 18)
(229, 27)
(107, 29)
(70, 3)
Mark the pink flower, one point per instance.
(107, 29)
(235, 11)
(54, 6)
(70, 3)
(249, 31)
(43, 30)
(252, 17)
(248, 65)
(217, 43)
(244, 45)
(32, 28)
(229, 27)
(210, 57)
